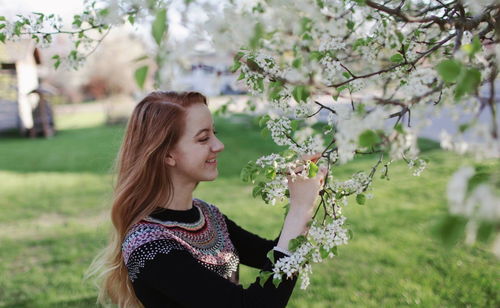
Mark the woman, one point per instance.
(168, 249)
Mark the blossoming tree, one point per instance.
(372, 72)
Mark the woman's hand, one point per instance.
(304, 191)
(303, 194)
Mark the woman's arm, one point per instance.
(252, 249)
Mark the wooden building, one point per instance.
(18, 78)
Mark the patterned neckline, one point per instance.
(190, 226)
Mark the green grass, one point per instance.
(55, 194)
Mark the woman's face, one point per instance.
(194, 157)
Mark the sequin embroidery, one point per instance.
(208, 243)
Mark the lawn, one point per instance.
(55, 195)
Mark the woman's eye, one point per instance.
(204, 139)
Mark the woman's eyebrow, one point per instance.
(203, 130)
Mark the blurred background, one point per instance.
(60, 131)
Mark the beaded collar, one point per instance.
(190, 226)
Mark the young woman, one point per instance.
(170, 250)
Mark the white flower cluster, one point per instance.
(324, 239)
(330, 235)
(331, 43)
(267, 63)
(273, 160)
(309, 143)
(275, 190)
(350, 125)
(280, 128)
(357, 184)
(419, 81)
(331, 68)
(252, 80)
(417, 165)
(404, 145)
(302, 110)
(478, 141)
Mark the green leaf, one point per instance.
(297, 63)
(276, 282)
(159, 25)
(263, 277)
(305, 25)
(256, 191)
(270, 256)
(288, 154)
(140, 75)
(350, 24)
(358, 42)
(236, 65)
(264, 132)
(313, 170)
(316, 55)
(361, 199)
(294, 124)
(300, 93)
(270, 173)
(249, 172)
(275, 88)
(258, 32)
(2, 38)
(131, 19)
(350, 233)
(346, 75)
(259, 85)
(400, 36)
(399, 128)
(2, 18)
(296, 242)
(104, 12)
(263, 120)
(449, 70)
(323, 252)
(468, 82)
(397, 58)
(368, 139)
(463, 127)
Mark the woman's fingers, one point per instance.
(312, 157)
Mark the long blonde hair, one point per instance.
(143, 183)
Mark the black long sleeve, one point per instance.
(176, 279)
(252, 249)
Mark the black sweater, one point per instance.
(190, 259)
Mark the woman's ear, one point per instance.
(170, 160)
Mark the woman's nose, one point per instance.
(218, 146)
